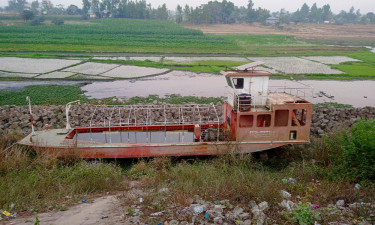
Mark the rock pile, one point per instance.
(17, 119)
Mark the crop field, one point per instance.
(150, 36)
(111, 35)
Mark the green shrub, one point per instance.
(57, 21)
(354, 156)
(37, 21)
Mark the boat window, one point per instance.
(238, 83)
(281, 118)
(264, 120)
(229, 82)
(246, 120)
(299, 117)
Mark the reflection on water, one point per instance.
(356, 93)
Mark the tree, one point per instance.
(35, 7)
(27, 15)
(327, 14)
(47, 7)
(179, 14)
(16, 5)
(187, 13)
(73, 10)
(251, 14)
(86, 6)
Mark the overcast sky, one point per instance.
(274, 5)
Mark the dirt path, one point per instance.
(83, 213)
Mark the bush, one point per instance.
(37, 21)
(354, 157)
(57, 21)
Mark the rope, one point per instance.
(11, 146)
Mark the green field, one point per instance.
(150, 36)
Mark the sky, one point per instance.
(365, 6)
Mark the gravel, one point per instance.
(27, 65)
(92, 68)
(331, 59)
(133, 72)
(294, 65)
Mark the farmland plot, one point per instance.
(331, 59)
(294, 65)
(27, 65)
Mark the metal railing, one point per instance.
(149, 115)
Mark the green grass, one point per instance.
(196, 66)
(43, 95)
(61, 95)
(332, 105)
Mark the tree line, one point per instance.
(213, 12)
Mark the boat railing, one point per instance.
(304, 91)
(144, 116)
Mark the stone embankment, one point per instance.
(17, 119)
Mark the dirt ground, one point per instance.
(103, 210)
(303, 31)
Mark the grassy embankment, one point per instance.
(324, 172)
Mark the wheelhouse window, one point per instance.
(238, 83)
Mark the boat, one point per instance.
(253, 118)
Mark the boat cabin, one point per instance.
(253, 112)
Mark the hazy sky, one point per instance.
(274, 5)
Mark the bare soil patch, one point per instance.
(303, 31)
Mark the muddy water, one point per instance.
(176, 82)
(356, 93)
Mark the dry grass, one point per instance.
(38, 182)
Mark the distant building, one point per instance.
(272, 20)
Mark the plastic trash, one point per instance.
(104, 217)
(207, 215)
(289, 181)
(141, 200)
(315, 206)
(198, 209)
(357, 186)
(14, 215)
(6, 213)
(157, 213)
(84, 200)
(292, 181)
